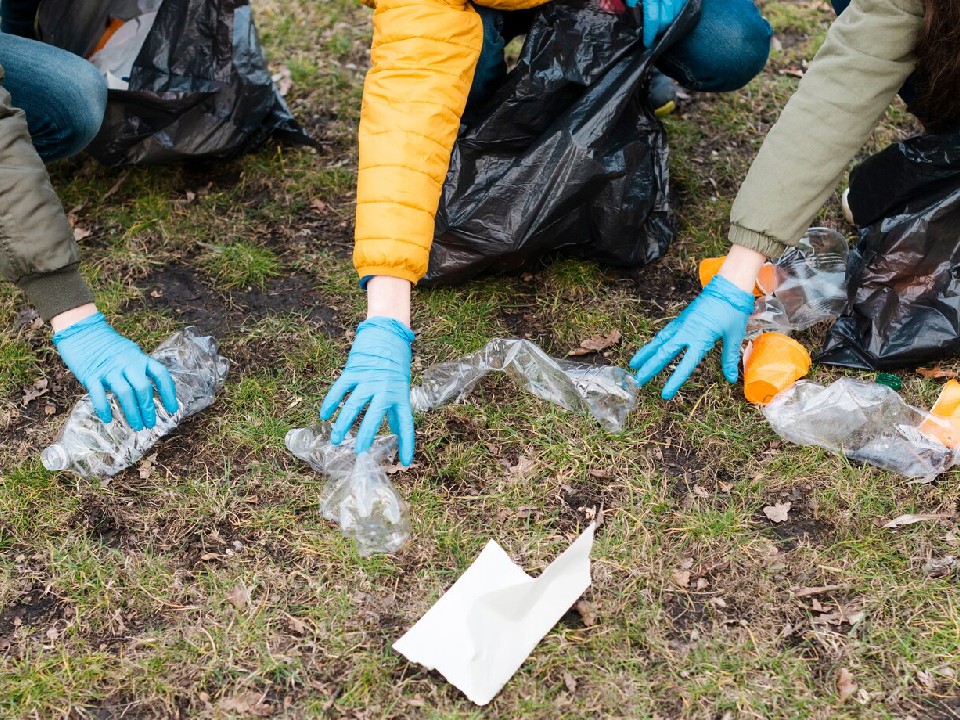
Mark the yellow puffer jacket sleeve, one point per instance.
(423, 57)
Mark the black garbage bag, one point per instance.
(903, 277)
(199, 87)
(565, 155)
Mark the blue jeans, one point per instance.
(727, 47)
(64, 97)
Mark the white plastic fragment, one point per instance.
(480, 631)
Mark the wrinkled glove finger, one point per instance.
(655, 365)
(101, 405)
(668, 13)
(653, 347)
(691, 358)
(348, 415)
(120, 387)
(335, 396)
(651, 22)
(370, 426)
(730, 361)
(166, 388)
(143, 392)
(401, 423)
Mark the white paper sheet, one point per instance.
(479, 633)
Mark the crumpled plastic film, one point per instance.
(807, 285)
(358, 495)
(608, 393)
(865, 421)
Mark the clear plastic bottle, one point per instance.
(90, 448)
(865, 421)
(606, 392)
(358, 495)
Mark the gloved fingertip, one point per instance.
(106, 417)
(731, 374)
(668, 393)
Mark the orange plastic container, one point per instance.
(772, 363)
(948, 408)
(113, 25)
(711, 266)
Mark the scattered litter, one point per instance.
(358, 495)
(772, 362)
(910, 519)
(948, 408)
(482, 629)
(607, 392)
(865, 421)
(88, 447)
(890, 380)
(115, 59)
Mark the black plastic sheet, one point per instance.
(903, 277)
(565, 156)
(199, 88)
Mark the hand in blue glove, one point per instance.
(103, 360)
(719, 312)
(377, 374)
(657, 16)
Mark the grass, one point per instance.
(115, 599)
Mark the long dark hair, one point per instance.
(938, 65)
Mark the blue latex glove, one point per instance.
(377, 374)
(657, 16)
(719, 312)
(103, 360)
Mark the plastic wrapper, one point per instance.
(199, 87)
(866, 421)
(358, 495)
(115, 60)
(903, 277)
(806, 285)
(88, 447)
(564, 156)
(607, 392)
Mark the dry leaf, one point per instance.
(778, 513)
(146, 466)
(925, 678)
(717, 602)
(951, 538)
(700, 492)
(726, 487)
(845, 684)
(587, 611)
(248, 703)
(570, 682)
(522, 467)
(681, 578)
(910, 519)
(937, 372)
(282, 79)
(940, 567)
(239, 596)
(808, 591)
(80, 233)
(49, 409)
(597, 343)
(600, 474)
(296, 625)
(702, 583)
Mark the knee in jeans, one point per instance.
(89, 100)
(741, 57)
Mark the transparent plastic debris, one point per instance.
(607, 392)
(88, 447)
(358, 495)
(865, 421)
(806, 286)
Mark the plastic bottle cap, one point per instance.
(55, 457)
(772, 363)
(890, 380)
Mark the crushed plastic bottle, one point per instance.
(358, 495)
(607, 392)
(90, 448)
(807, 285)
(865, 421)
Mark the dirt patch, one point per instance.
(802, 524)
(661, 287)
(99, 523)
(582, 501)
(184, 292)
(37, 609)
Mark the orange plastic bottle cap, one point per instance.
(948, 408)
(772, 363)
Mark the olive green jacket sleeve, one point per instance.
(37, 249)
(867, 56)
